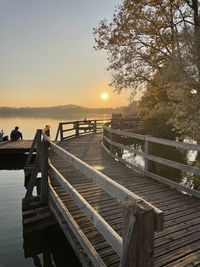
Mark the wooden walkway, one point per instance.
(177, 245)
(15, 147)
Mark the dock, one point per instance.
(15, 147)
(112, 213)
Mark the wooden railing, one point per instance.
(36, 172)
(115, 148)
(140, 218)
(72, 129)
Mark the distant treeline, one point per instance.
(66, 111)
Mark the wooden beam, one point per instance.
(156, 140)
(146, 151)
(44, 171)
(138, 235)
(124, 133)
(32, 149)
(31, 184)
(87, 246)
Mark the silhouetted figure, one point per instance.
(16, 134)
(47, 130)
(2, 137)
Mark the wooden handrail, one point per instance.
(104, 228)
(79, 128)
(40, 166)
(147, 156)
(80, 236)
(176, 144)
(157, 159)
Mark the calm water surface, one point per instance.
(28, 126)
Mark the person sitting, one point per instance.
(16, 134)
(3, 138)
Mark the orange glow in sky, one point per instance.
(47, 54)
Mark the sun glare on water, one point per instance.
(104, 96)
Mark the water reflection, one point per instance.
(167, 152)
(49, 248)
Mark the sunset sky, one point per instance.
(47, 55)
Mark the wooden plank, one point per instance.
(177, 243)
(138, 235)
(177, 254)
(176, 144)
(32, 149)
(124, 133)
(190, 260)
(37, 218)
(91, 252)
(104, 228)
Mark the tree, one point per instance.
(154, 46)
(141, 38)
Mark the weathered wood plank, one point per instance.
(97, 261)
(138, 235)
(113, 238)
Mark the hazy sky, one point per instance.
(47, 56)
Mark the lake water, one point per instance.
(28, 126)
(47, 248)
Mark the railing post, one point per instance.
(111, 146)
(44, 170)
(38, 146)
(146, 151)
(76, 127)
(137, 235)
(95, 126)
(57, 133)
(149, 166)
(61, 132)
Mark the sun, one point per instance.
(104, 96)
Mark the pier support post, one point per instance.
(138, 235)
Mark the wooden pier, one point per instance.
(15, 147)
(112, 213)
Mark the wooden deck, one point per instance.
(15, 147)
(177, 245)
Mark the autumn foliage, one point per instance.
(154, 47)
